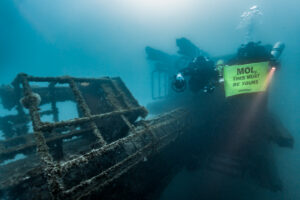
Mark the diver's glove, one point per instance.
(179, 83)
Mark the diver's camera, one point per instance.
(179, 83)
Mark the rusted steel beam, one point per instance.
(140, 131)
(123, 154)
(10, 98)
(125, 92)
(31, 101)
(123, 105)
(29, 143)
(99, 181)
(86, 111)
(62, 93)
(82, 120)
(65, 79)
(120, 96)
(153, 138)
(50, 168)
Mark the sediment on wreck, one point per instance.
(77, 158)
(110, 147)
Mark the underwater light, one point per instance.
(269, 77)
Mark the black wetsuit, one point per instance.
(201, 73)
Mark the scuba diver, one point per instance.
(242, 126)
(255, 52)
(238, 124)
(202, 76)
(205, 75)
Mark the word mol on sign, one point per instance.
(246, 78)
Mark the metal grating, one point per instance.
(116, 155)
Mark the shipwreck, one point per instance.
(77, 158)
(111, 150)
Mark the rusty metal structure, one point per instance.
(74, 158)
(109, 145)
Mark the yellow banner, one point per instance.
(248, 78)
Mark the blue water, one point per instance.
(91, 38)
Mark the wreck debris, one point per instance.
(78, 156)
(86, 111)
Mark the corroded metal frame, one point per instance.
(52, 170)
